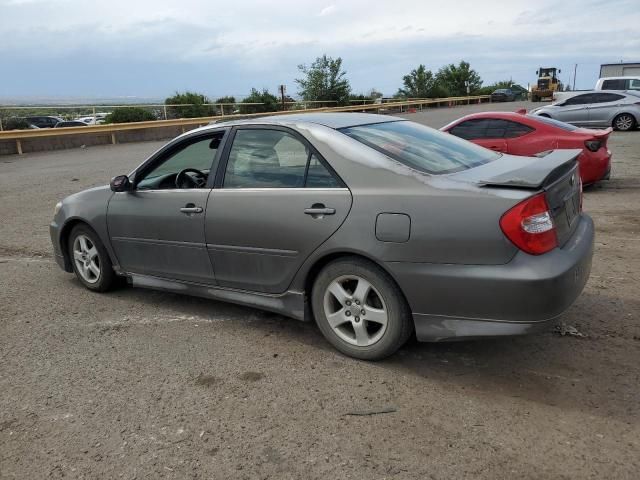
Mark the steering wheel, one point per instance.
(184, 180)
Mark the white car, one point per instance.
(91, 120)
(618, 83)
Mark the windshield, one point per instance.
(421, 147)
(555, 123)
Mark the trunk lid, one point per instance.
(556, 174)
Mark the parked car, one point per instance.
(528, 135)
(503, 95)
(98, 119)
(374, 225)
(620, 110)
(618, 83)
(42, 121)
(70, 123)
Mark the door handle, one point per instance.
(191, 208)
(319, 210)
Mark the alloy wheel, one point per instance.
(355, 310)
(624, 122)
(86, 258)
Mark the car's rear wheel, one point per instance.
(624, 122)
(90, 260)
(360, 310)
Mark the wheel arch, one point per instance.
(65, 232)
(322, 261)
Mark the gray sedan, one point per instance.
(375, 226)
(620, 110)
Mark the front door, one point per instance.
(575, 109)
(158, 227)
(278, 201)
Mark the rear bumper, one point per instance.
(595, 166)
(470, 301)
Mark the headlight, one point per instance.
(57, 208)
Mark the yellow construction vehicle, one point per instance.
(548, 83)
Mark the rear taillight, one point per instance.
(530, 227)
(593, 145)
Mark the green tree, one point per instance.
(420, 83)
(454, 79)
(129, 114)
(269, 102)
(194, 105)
(226, 99)
(324, 80)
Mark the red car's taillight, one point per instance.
(593, 145)
(530, 227)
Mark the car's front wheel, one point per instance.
(360, 310)
(624, 122)
(90, 260)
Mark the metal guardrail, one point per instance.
(19, 135)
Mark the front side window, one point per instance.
(471, 129)
(580, 100)
(187, 167)
(420, 147)
(263, 158)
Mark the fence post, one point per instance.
(19, 146)
(221, 110)
(165, 112)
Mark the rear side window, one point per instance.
(264, 158)
(606, 97)
(614, 85)
(420, 147)
(634, 84)
(516, 129)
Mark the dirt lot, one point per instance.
(140, 384)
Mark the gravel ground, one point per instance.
(141, 384)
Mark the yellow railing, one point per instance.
(112, 129)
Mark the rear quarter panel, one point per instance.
(451, 221)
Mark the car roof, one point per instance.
(335, 120)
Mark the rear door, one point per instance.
(486, 132)
(276, 200)
(603, 108)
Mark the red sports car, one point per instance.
(519, 134)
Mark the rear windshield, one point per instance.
(421, 147)
(555, 123)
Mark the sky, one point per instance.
(152, 48)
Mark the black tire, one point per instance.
(399, 326)
(107, 277)
(624, 122)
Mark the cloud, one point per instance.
(328, 10)
(152, 47)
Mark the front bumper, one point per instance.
(469, 301)
(61, 260)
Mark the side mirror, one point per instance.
(559, 71)
(120, 183)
